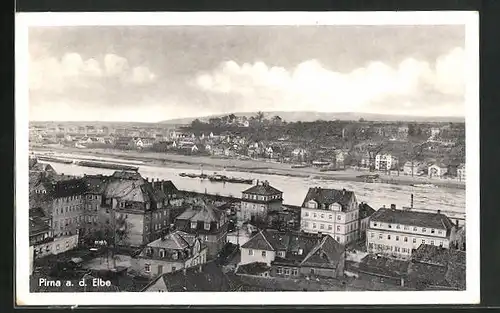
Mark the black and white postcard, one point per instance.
(247, 158)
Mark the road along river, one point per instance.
(295, 188)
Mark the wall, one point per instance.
(67, 214)
(56, 246)
(344, 225)
(324, 272)
(256, 256)
(399, 248)
(137, 229)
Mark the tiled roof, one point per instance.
(255, 268)
(210, 278)
(66, 188)
(37, 226)
(329, 196)
(412, 218)
(258, 242)
(327, 253)
(365, 210)
(96, 183)
(37, 213)
(263, 189)
(177, 240)
(384, 266)
(128, 175)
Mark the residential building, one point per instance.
(333, 212)
(258, 200)
(365, 212)
(385, 162)
(433, 267)
(292, 255)
(461, 172)
(340, 158)
(242, 234)
(414, 168)
(208, 222)
(124, 142)
(437, 170)
(131, 199)
(93, 215)
(396, 233)
(175, 251)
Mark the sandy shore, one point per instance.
(252, 166)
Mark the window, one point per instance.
(397, 238)
(339, 217)
(295, 272)
(440, 232)
(263, 254)
(314, 215)
(281, 254)
(337, 238)
(312, 271)
(162, 253)
(375, 224)
(322, 226)
(330, 216)
(314, 225)
(175, 256)
(306, 213)
(406, 228)
(207, 226)
(389, 237)
(414, 240)
(338, 228)
(433, 231)
(57, 247)
(423, 241)
(306, 224)
(424, 230)
(432, 242)
(287, 271)
(379, 236)
(322, 215)
(390, 226)
(372, 235)
(441, 243)
(193, 225)
(406, 239)
(147, 268)
(414, 229)
(330, 227)
(250, 252)
(279, 270)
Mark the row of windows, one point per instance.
(261, 198)
(69, 199)
(160, 214)
(263, 253)
(90, 206)
(286, 271)
(406, 227)
(405, 239)
(158, 226)
(72, 208)
(322, 215)
(381, 247)
(39, 250)
(348, 227)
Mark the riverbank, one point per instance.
(251, 166)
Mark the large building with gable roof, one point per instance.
(209, 223)
(396, 233)
(333, 212)
(292, 255)
(258, 200)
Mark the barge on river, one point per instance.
(111, 166)
(218, 178)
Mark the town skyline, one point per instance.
(153, 74)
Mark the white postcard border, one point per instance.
(469, 19)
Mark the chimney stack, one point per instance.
(393, 207)
(439, 211)
(411, 201)
(161, 184)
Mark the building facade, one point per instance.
(385, 162)
(207, 222)
(293, 255)
(177, 250)
(461, 174)
(333, 212)
(395, 233)
(258, 201)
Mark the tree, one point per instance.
(259, 116)
(414, 152)
(372, 149)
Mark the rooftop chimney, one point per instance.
(439, 211)
(161, 184)
(393, 206)
(343, 191)
(411, 201)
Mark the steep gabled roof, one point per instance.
(177, 240)
(258, 242)
(327, 252)
(328, 196)
(365, 210)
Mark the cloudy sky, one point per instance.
(154, 73)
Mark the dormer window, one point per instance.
(193, 225)
(162, 253)
(175, 256)
(300, 252)
(312, 204)
(207, 226)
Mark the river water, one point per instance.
(295, 188)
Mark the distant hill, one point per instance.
(305, 116)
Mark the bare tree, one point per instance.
(415, 152)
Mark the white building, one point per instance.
(385, 162)
(396, 233)
(331, 211)
(461, 172)
(437, 170)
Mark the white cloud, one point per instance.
(54, 75)
(311, 86)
